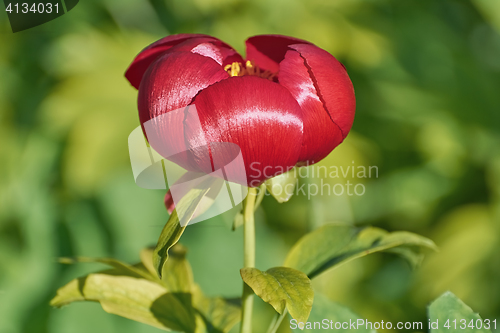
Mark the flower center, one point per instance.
(238, 69)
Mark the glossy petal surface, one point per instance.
(333, 84)
(170, 84)
(321, 134)
(222, 53)
(152, 52)
(213, 47)
(259, 116)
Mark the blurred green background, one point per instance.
(427, 80)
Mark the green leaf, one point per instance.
(447, 308)
(135, 292)
(146, 256)
(121, 268)
(413, 257)
(177, 275)
(133, 298)
(282, 287)
(218, 314)
(324, 308)
(176, 224)
(282, 187)
(334, 244)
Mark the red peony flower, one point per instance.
(288, 104)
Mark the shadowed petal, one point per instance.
(267, 51)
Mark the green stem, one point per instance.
(249, 259)
(275, 324)
(260, 196)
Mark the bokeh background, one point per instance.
(427, 79)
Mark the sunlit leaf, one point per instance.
(133, 298)
(135, 292)
(334, 244)
(176, 224)
(449, 310)
(282, 287)
(326, 314)
(282, 187)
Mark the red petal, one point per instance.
(334, 85)
(321, 134)
(210, 47)
(258, 116)
(323, 89)
(170, 84)
(267, 51)
(149, 54)
(169, 202)
(181, 42)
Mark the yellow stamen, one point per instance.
(238, 69)
(250, 68)
(234, 69)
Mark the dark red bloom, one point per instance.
(288, 103)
